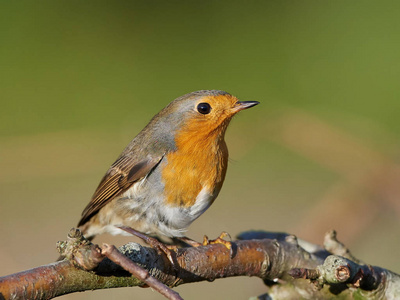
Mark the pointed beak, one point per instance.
(240, 105)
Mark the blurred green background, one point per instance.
(78, 80)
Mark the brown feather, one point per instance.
(118, 179)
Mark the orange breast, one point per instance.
(200, 161)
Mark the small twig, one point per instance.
(117, 257)
(338, 269)
(333, 245)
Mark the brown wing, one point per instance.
(119, 178)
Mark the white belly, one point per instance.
(149, 215)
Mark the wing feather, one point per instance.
(119, 178)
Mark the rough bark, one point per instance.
(290, 268)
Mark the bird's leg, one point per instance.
(153, 242)
(188, 241)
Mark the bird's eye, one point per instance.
(204, 108)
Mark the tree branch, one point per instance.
(271, 257)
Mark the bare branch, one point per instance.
(266, 259)
(281, 262)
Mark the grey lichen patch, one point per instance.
(138, 254)
(133, 251)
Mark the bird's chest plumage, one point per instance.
(193, 171)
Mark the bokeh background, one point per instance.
(78, 80)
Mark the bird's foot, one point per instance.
(154, 243)
(220, 240)
(207, 241)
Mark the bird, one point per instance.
(170, 173)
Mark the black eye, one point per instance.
(204, 108)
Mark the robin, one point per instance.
(170, 173)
